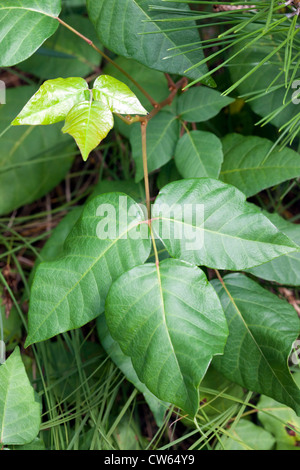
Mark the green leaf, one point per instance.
(33, 160)
(54, 246)
(246, 436)
(116, 96)
(169, 321)
(162, 136)
(124, 363)
(207, 222)
(250, 165)
(198, 154)
(286, 268)
(71, 291)
(262, 328)
(199, 104)
(52, 102)
(19, 411)
(65, 54)
(36, 444)
(281, 421)
(127, 28)
(88, 122)
(24, 26)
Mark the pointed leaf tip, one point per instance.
(89, 123)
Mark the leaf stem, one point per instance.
(106, 57)
(159, 106)
(145, 166)
(147, 190)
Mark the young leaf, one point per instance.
(200, 104)
(24, 26)
(129, 29)
(19, 411)
(169, 321)
(262, 328)
(198, 154)
(33, 160)
(250, 166)
(286, 268)
(71, 291)
(52, 102)
(124, 363)
(207, 222)
(162, 136)
(116, 96)
(88, 122)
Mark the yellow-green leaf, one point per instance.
(89, 123)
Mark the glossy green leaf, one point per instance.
(24, 26)
(199, 104)
(116, 96)
(71, 291)
(262, 328)
(19, 411)
(198, 154)
(89, 123)
(33, 160)
(246, 436)
(124, 363)
(170, 323)
(65, 54)
(281, 421)
(52, 102)
(286, 268)
(207, 222)
(162, 137)
(250, 166)
(126, 28)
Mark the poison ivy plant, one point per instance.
(19, 411)
(70, 99)
(142, 271)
